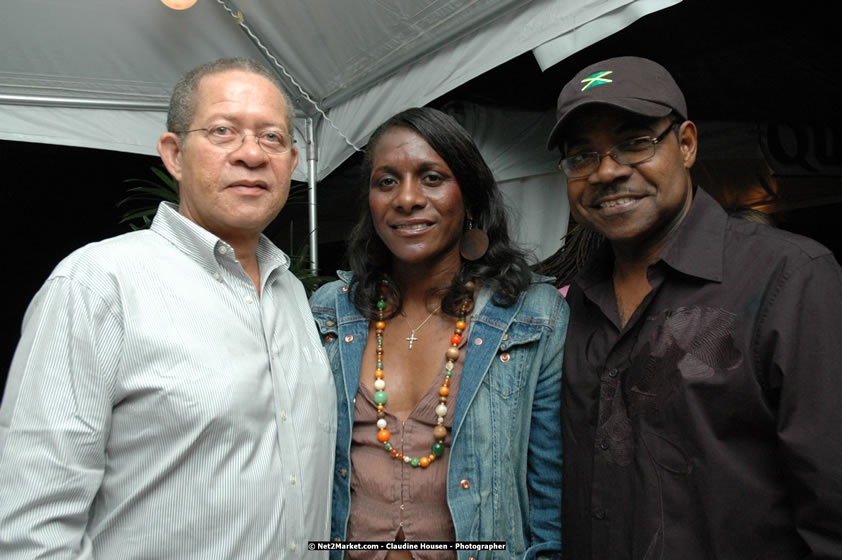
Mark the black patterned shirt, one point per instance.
(710, 426)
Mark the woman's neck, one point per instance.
(418, 281)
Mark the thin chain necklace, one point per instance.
(412, 338)
(380, 398)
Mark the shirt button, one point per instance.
(403, 507)
(465, 483)
(505, 336)
(401, 523)
(249, 300)
(292, 479)
(478, 341)
(343, 472)
(614, 372)
(336, 539)
(344, 288)
(292, 545)
(504, 357)
(329, 338)
(217, 276)
(604, 445)
(599, 514)
(329, 323)
(284, 416)
(222, 250)
(349, 338)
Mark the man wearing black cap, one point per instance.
(702, 404)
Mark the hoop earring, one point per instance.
(474, 243)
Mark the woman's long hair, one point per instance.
(503, 268)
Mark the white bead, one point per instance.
(381, 423)
(407, 459)
(379, 384)
(441, 410)
(440, 420)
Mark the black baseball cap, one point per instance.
(632, 83)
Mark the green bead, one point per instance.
(438, 449)
(388, 446)
(381, 304)
(380, 397)
(379, 365)
(415, 462)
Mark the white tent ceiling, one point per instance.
(98, 73)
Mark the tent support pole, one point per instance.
(312, 159)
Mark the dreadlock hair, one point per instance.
(579, 244)
(503, 268)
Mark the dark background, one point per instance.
(756, 63)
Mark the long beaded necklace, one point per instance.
(380, 398)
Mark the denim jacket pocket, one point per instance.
(328, 330)
(512, 364)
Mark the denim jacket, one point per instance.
(504, 465)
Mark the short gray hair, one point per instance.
(183, 101)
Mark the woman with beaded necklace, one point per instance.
(446, 353)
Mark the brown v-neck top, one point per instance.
(387, 494)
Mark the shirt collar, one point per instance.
(696, 248)
(206, 248)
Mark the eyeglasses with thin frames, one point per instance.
(273, 142)
(630, 152)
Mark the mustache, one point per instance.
(612, 189)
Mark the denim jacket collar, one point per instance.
(491, 330)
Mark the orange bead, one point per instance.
(460, 325)
(444, 391)
(424, 462)
(383, 436)
(380, 325)
(455, 339)
(378, 373)
(432, 457)
(393, 452)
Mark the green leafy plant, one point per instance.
(142, 203)
(144, 198)
(300, 266)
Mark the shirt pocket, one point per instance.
(328, 329)
(513, 365)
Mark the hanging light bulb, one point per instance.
(178, 4)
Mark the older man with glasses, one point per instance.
(170, 397)
(702, 383)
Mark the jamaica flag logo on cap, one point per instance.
(596, 79)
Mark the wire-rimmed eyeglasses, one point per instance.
(273, 142)
(630, 152)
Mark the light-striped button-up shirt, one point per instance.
(158, 408)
